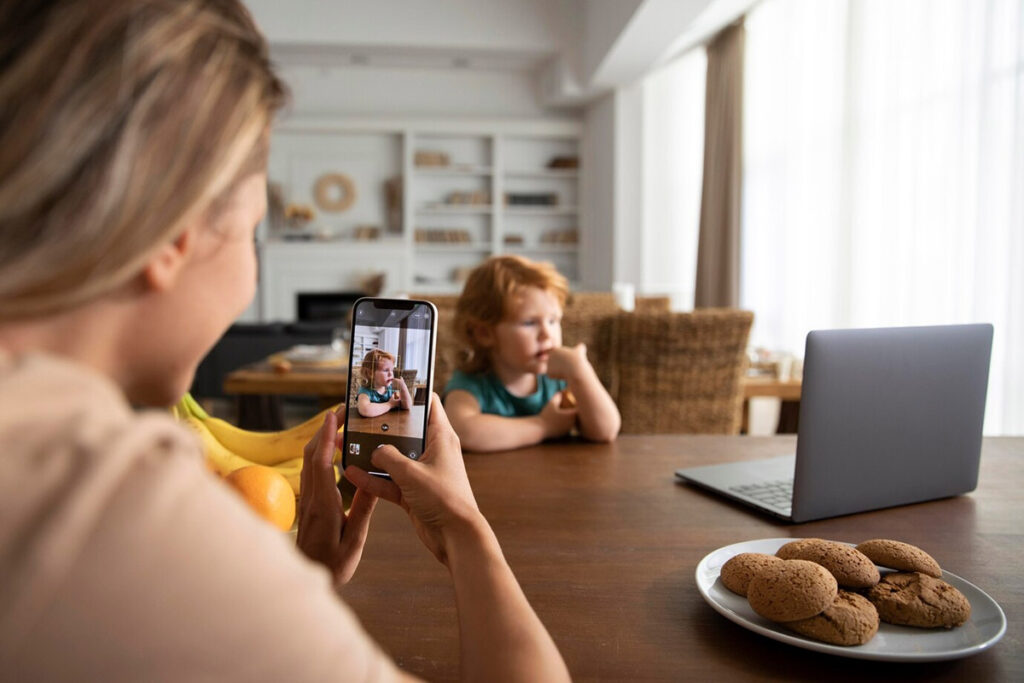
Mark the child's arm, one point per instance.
(482, 432)
(402, 389)
(368, 408)
(598, 415)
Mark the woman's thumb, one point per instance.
(387, 458)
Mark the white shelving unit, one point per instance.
(451, 217)
(489, 165)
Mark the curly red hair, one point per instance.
(487, 297)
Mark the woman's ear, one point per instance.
(167, 263)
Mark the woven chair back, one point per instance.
(681, 373)
(356, 383)
(447, 353)
(652, 304)
(589, 317)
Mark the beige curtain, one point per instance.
(718, 247)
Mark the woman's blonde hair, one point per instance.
(370, 361)
(487, 298)
(121, 123)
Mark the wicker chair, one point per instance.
(589, 317)
(652, 304)
(355, 382)
(447, 354)
(681, 372)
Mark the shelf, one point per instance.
(453, 247)
(450, 171)
(541, 210)
(543, 248)
(545, 174)
(389, 242)
(436, 286)
(455, 209)
(485, 161)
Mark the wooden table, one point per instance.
(259, 389)
(605, 545)
(788, 393)
(399, 422)
(260, 378)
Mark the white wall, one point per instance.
(408, 92)
(603, 21)
(597, 190)
(523, 25)
(612, 190)
(629, 219)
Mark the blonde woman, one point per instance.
(133, 144)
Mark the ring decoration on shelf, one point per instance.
(330, 199)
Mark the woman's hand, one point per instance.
(326, 534)
(434, 490)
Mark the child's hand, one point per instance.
(557, 421)
(567, 362)
(397, 384)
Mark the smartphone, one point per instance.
(391, 377)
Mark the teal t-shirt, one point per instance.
(376, 397)
(495, 399)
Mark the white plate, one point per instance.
(892, 643)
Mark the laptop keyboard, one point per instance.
(773, 494)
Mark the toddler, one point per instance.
(382, 391)
(518, 385)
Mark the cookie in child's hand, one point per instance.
(568, 400)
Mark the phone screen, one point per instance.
(391, 367)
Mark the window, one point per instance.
(884, 161)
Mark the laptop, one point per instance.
(888, 416)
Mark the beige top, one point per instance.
(123, 558)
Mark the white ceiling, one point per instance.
(576, 49)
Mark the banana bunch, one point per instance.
(229, 448)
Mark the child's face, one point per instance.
(384, 373)
(524, 339)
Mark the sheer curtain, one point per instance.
(673, 154)
(884, 173)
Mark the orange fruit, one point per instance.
(267, 492)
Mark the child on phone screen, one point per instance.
(383, 391)
(518, 385)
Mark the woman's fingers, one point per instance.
(309, 452)
(357, 522)
(438, 418)
(390, 459)
(376, 486)
(322, 470)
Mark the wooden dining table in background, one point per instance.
(605, 544)
(787, 391)
(396, 422)
(259, 387)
